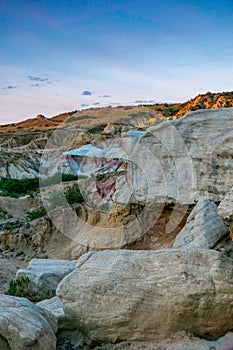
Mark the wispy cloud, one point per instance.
(32, 78)
(144, 101)
(105, 96)
(9, 87)
(35, 85)
(96, 103)
(87, 93)
(84, 105)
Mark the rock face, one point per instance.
(225, 209)
(54, 307)
(45, 275)
(204, 228)
(185, 159)
(23, 326)
(145, 295)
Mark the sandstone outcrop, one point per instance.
(23, 325)
(225, 209)
(54, 306)
(204, 228)
(144, 295)
(45, 275)
(184, 159)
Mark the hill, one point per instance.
(136, 115)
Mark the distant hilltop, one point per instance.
(93, 116)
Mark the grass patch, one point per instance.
(35, 214)
(21, 288)
(10, 225)
(59, 198)
(16, 188)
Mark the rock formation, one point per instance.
(204, 228)
(145, 295)
(25, 326)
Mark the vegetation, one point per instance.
(35, 214)
(22, 288)
(16, 188)
(10, 225)
(70, 195)
(58, 178)
(82, 117)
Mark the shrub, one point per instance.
(16, 187)
(10, 225)
(35, 214)
(58, 178)
(21, 288)
(70, 195)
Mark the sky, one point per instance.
(59, 55)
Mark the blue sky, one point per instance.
(62, 55)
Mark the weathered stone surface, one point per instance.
(22, 326)
(184, 159)
(204, 228)
(54, 306)
(145, 295)
(225, 209)
(45, 275)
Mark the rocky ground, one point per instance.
(153, 266)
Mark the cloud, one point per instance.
(87, 93)
(144, 101)
(84, 105)
(105, 96)
(9, 87)
(96, 103)
(30, 77)
(35, 85)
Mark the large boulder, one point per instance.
(24, 326)
(225, 209)
(204, 228)
(185, 159)
(54, 306)
(144, 295)
(44, 276)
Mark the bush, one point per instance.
(35, 214)
(10, 225)
(21, 288)
(16, 188)
(61, 198)
(58, 178)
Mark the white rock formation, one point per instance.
(24, 326)
(145, 295)
(45, 275)
(225, 209)
(185, 159)
(204, 228)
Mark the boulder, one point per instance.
(225, 209)
(54, 306)
(204, 228)
(184, 159)
(146, 295)
(44, 275)
(23, 326)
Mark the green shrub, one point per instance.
(21, 288)
(10, 225)
(16, 188)
(61, 198)
(35, 214)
